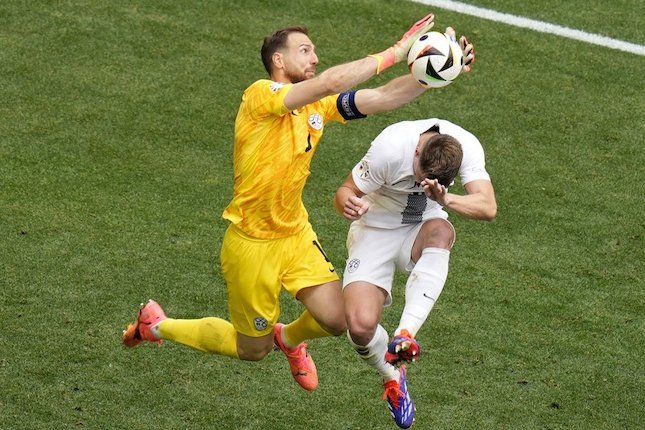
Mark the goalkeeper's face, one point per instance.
(299, 58)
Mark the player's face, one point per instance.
(416, 168)
(299, 58)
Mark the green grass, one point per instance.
(115, 164)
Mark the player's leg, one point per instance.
(254, 348)
(430, 254)
(216, 336)
(251, 268)
(253, 304)
(364, 302)
(367, 282)
(324, 315)
(212, 335)
(434, 233)
(312, 279)
(363, 306)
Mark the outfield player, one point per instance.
(397, 197)
(270, 244)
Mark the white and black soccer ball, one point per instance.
(435, 60)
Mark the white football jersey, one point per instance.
(385, 173)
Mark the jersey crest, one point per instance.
(315, 121)
(363, 170)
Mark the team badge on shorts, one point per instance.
(353, 264)
(260, 323)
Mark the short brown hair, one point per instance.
(276, 41)
(441, 158)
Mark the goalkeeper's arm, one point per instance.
(343, 77)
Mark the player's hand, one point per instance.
(402, 47)
(467, 48)
(355, 207)
(434, 190)
(399, 51)
(469, 52)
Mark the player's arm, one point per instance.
(332, 81)
(392, 95)
(478, 202)
(404, 89)
(343, 77)
(348, 202)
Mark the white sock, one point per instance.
(423, 288)
(374, 354)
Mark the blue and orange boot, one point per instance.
(399, 401)
(403, 347)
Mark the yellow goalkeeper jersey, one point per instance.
(272, 157)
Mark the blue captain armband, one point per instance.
(347, 107)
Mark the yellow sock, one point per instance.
(305, 327)
(213, 335)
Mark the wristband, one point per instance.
(384, 59)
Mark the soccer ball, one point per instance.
(435, 60)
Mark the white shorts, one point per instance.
(374, 254)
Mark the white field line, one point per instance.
(543, 27)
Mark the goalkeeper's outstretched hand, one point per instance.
(402, 47)
(399, 51)
(467, 48)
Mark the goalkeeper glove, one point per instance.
(467, 48)
(399, 51)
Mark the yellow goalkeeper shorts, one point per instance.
(256, 270)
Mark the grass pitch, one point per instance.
(115, 164)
